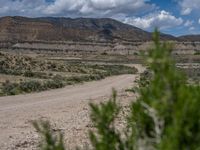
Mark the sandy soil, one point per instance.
(66, 108)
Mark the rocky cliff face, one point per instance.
(64, 29)
(96, 48)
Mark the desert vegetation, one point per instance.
(38, 75)
(164, 117)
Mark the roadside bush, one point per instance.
(51, 142)
(145, 78)
(54, 84)
(31, 86)
(84, 78)
(9, 88)
(119, 69)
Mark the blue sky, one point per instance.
(177, 17)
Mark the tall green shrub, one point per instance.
(51, 141)
(166, 115)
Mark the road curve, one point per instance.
(61, 105)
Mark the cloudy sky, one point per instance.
(175, 17)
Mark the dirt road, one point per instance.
(67, 109)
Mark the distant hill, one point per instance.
(62, 29)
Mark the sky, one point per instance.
(176, 17)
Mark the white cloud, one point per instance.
(162, 20)
(123, 10)
(191, 28)
(186, 11)
(187, 6)
(199, 21)
(21, 7)
(74, 8)
(98, 8)
(188, 23)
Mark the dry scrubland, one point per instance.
(67, 108)
(24, 74)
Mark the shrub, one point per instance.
(31, 86)
(10, 88)
(11, 71)
(28, 73)
(197, 53)
(51, 142)
(54, 84)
